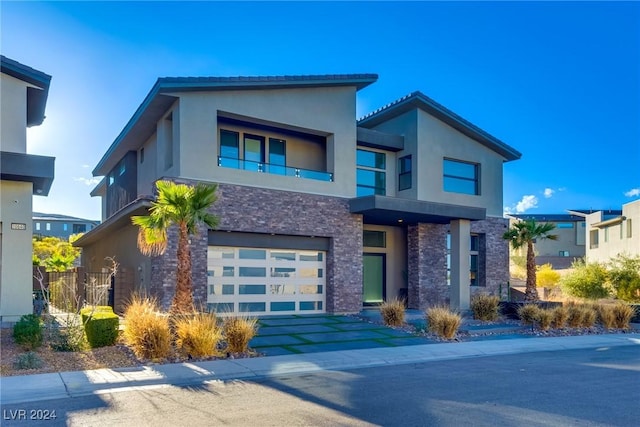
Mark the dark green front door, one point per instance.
(373, 278)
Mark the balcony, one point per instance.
(234, 163)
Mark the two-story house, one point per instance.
(62, 226)
(318, 212)
(613, 232)
(23, 98)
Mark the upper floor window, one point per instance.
(79, 228)
(371, 175)
(37, 226)
(404, 173)
(461, 177)
(277, 156)
(564, 225)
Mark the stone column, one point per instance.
(460, 264)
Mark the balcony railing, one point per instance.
(229, 162)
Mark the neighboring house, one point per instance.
(318, 212)
(62, 226)
(611, 233)
(570, 245)
(23, 98)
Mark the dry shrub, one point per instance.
(623, 314)
(607, 315)
(238, 331)
(197, 335)
(589, 316)
(529, 314)
(443, 322)
(560, 316)
(545, 318)
(147, 330)
(392, 312)
(576, 314)
(485, 307)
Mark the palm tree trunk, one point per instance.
(183, 298)
(531, 293)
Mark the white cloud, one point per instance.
(548, 192)
(88, 181)
(527, 202)
(633, 192)
(86, 166)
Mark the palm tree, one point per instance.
(186, 207)
(525, 233)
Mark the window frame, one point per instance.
(448, 178)
(404, 171)
(377, 170)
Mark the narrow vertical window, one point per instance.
(48, 226)
(168, 141)
(371, 175)
(142, 155)
(629, 231)
(404, 173)
(37, 226)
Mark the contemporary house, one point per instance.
(319, 212)
(62, 226)
(23, 98)
(611, 233)
(570, 245)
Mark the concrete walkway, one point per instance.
(32, 388)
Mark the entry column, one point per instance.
(460, 264)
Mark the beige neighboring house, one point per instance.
(23, 98)
(613, 233)
(319, 212)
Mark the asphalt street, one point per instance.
(585, 387)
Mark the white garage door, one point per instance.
(260, 281)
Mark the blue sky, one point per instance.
(560, 82)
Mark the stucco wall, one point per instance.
(13, 110)
(618, 242)
(15, 248)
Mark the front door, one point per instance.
(373, 278)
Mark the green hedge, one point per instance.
(27, 332)
(100, 325)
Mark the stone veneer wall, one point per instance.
(494, 253)
(427, 265)
(261, 210)
(427, 262)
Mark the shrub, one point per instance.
(545, 318)
(238, 331)
(198, 335)
(443, 322)
(392, 312)
(28, 360)
(589, 316)
(623, 315)
(100, 326)
(529, 314)
(146, 330)
(624, 276)
(587, 280)
(607, 315)
(546, 276)
(27, 332)
(70, 337)
(560, 316)
(576, 315)
(485, 307)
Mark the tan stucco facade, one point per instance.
(616, 236)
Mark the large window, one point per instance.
(277, 156)
(404, 173)
(371, 175)
(253, 152)
(461, 177)
(229, 148)
(474, 259)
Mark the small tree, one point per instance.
(524, 233)
(54, 253)
(624, 276)
(586, 280)
(186, 207)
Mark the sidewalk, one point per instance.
(30, 388)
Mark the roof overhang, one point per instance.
(380, 140)
(418, 100)
(37, 91)
(158, 101)
(385, 210)
(115, 222)
(607, 223)
(23, 167)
